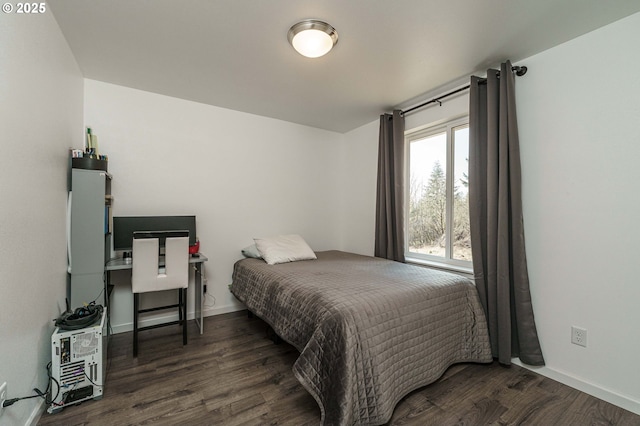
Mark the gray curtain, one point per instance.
(495, 209)
(389, 233)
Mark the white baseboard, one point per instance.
(219, 310)
(36, 413)
(610, 396)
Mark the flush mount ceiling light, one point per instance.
(312, 38)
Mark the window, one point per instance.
(438, 195)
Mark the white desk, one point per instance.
(119, 264)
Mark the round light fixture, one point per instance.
(312, 38)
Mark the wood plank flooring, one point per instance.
(234, 375)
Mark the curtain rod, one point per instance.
(519, 70)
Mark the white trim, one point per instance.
(36, 413)
(582, 385)
(123, 328)
(456, 269)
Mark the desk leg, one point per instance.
(199, 296)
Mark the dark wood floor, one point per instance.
(234, 375)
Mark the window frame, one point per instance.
(447, 126)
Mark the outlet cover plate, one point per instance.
(579, 336)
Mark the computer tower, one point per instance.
(78, 364)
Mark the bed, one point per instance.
(369, 330)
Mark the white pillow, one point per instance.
(251, 251)
(284, 248)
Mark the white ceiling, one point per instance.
(234, 53)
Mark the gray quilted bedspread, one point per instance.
(368, 330)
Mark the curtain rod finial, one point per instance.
(520, 71)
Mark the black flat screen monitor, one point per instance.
(125, 226)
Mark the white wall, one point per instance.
(41, 91)
(359, 166)
(242, 175)
(578, 110)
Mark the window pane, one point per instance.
(461, 234)
(428, 195)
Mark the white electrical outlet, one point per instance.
(3, 394)
(579, 336)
